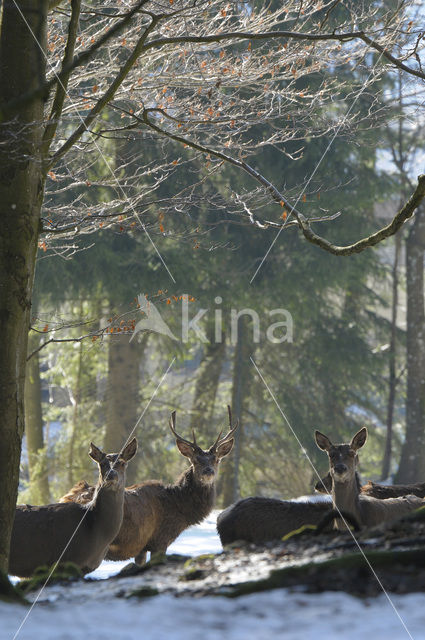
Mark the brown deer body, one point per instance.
(260, 519)
(155, 514)
(346, 495)
(73, 532)
(377, 490)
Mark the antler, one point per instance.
(172, 425)
(221, 440)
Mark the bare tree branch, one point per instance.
(9, 109)
(106, 97)
(397, 222)
(240, 35)
(386, 54)
(304, 224)
(61, 88)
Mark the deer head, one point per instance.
(343, 458)
(205, 462)
(112, 466)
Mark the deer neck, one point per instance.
(107, 506)
(345, 496)
(194, 499)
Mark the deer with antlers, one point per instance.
(155, 513)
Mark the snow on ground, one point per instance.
(288, 614)
(265, 616)
(202, 538)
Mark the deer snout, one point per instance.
(340, 468)
(207, 476)
(112, 476)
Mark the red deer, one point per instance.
(260, 519)
(377, 490)
(72, 532)
(346, 495)
(154, 513)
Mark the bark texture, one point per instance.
(392, 377)
(122, 398)
(412, 462)
(242, 372)
(37, 460)
(206, 390)
(22, 43)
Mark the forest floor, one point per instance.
(309, 586)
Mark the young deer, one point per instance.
(377, 490)
(346, 495)
(81, 532)
(154, 513)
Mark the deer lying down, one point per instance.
(260, 519)
(377, 490)
(154, 513)
(346, 495)
(41, 534)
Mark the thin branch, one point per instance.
(62, 85)
(107, 96)
(304, 224)
(397, 222)
(247, 35)
(9, 109)
(241, 164)
(328, 13)
(386, 54)
(294, 35)
(47, 342)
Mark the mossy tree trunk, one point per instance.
(76, 399)
(392, 378)
(242, 376)
(21, 191)
(412, 462)
(206, 390)
(122, 396)
(37, 459)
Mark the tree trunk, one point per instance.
(412, 462)
(37, 459)
(242, 375)
(392, 382)
(122, 397)
(76, 395)
(206, 389)
(21, 187)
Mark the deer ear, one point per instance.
(185, 449)
(359, 439)
(322, 441)
(225, 448)
(95, 454)
(129, 450)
